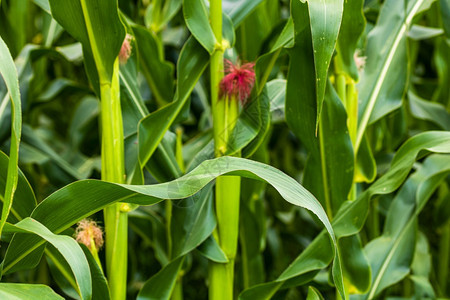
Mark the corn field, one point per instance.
(224, 149)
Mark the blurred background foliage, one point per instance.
(60, 142)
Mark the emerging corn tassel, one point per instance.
(238, 81)
(125, 51)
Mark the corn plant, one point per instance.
(225, 149)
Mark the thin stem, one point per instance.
(177, 293)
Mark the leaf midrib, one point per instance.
(376, 90)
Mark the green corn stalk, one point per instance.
(225, 113)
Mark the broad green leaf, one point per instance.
(353, 23)
(197, 20)
(43, 4)
(133, 106)
(9, 73)
(391, 254)
(78, 198)
(191, 64)
(24, 199)
(329, 169)
(250, 41)
(383, 81)
(157, 15)
(315, 35)
(251, 234)
(441, 60)
(325, 21)
(14, 28)
(301, 79)
(430, 111)
(421, 268)
(193, 220)
(211, 250)
(238, 10)
(313, 294)
(252, 126)
(64, 278)
(96, 25)
(356, 268)
(22, 291)
(419, 32)
(152, 230)
(444, 6)
(157, 71)
(23, 63)
(277, 95)
(134, 109)
(33, 140)
(352, 214)
(264, 64)
(160, 286)
(67, 246)
(59, 86)
(366, 166)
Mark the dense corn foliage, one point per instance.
(225, 149)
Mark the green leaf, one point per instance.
(384, 79)
(197, 21)
(366, 166)
(251, 127)
(193, 221)
(444, 6)
(313, 294)
(43, 4)
(152, 230)
(97, 26)
(352, 214)
(33, 141)
(133, 106)
(78, 198)
(24, 199)
(67, 246)
(418, 32)
(156, 18)
(160, 286)
(27, 292)
(157, 71)
(421, 268)
(63, 276)
(238, 10)
(9, 73)
(191, 64)
(212, 251)
(430, 111)
(329, 169)
(353, 24)
(356, 268)
(391, 254)
(315, 35)
(277, 95)
(325, 21)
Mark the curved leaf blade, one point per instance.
(27, 292)
(384, 78)
(67, 246)
(83, 198)
(9, 74)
